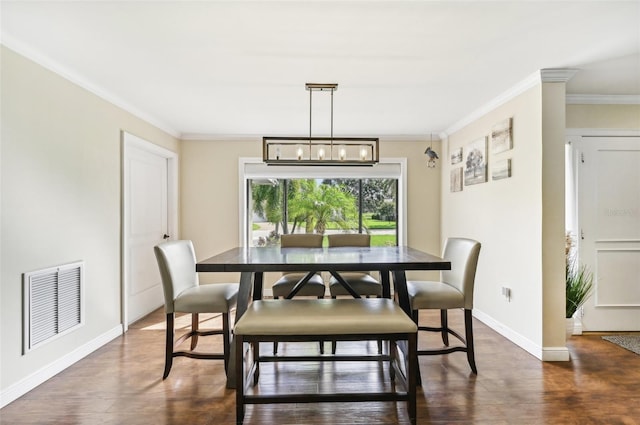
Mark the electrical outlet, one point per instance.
(506, 292)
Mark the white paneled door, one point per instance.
(147, 222)
(609, 230)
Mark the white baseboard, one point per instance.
(25, 385)
(555, 354)
(547, 354)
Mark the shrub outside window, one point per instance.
(322, 206)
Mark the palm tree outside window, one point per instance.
(323, 206)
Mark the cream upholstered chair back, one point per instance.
(339, 240)
(177, 264)
(301, 240)
(349, 239)
(463, 254)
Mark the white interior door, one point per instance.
(609, 230)
(147, 222)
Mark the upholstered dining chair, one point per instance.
(362, 283)
(453, 291)
(184, 294)
(314, 287)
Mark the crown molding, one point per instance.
(547, 75)
(210, 137)
(602, 132)
(557, 75)
(421, 138)
(53, 66)
(529, 82)
(603, 99)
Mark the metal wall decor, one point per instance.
(320, 150)
(431, 154)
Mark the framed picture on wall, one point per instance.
(456, 156)
(501, 136)
(475, 156)
(501, 169)
(456, 179)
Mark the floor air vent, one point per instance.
(52, 303)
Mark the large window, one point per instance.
(323, 206)
(278, 200)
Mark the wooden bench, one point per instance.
(327, 319)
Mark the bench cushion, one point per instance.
(324, 317)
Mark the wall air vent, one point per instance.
(52, 303)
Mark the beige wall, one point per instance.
(210, 195)
(515, 219)
(61, 197)
(603, 116)
(423, 195)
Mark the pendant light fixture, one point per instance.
(313, 150)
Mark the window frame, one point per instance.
(250, 168)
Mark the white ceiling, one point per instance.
(404, 68)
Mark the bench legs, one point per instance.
(412, 374)
(409, 380)
(240, 384)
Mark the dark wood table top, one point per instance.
(264, 259)
(252, 262)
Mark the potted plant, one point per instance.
(579, 284)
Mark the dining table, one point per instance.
(253, 262)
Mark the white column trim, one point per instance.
(557, 75)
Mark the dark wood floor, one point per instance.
(121, 384)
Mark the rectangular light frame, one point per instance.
(350, 151)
